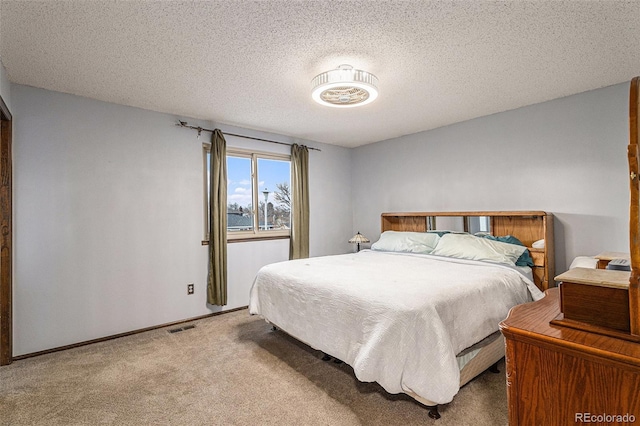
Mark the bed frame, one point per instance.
(527, 226)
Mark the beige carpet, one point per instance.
(228, 370)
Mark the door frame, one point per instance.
(6, 234)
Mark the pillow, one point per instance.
(467, 246)
(525, 259)
(538, 244)
(410, 242)
(584, 262)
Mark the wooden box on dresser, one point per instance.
(564, 376)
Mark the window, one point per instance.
(254, 179)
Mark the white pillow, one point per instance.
(538, 244)
(411, 242)
(584, 262)
(467, 246)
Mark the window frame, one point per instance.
(256, 233)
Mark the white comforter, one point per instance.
(397, 319)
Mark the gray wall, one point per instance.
(5, 87)
(108, 219)
(108, 201)
(566, 156)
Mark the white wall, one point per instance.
(566, 156)
(108, 201)
(108, 219)
(5, 87)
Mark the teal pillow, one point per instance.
(525, 259)
(439, 233)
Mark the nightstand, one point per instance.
(605, 257)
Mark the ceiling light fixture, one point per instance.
(344, 87)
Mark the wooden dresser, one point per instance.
(559, 375)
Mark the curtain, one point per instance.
(217, 276)
(299, 239)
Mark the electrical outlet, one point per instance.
(190, 288)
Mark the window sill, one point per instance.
(249, 239)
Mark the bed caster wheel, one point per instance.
(274, 328)
(433, 412)
(327, 358)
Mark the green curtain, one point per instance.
(217, 276)
(299, 239)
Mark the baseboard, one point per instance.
(128, 333)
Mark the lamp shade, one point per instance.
(359, 239)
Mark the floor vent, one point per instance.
(186, 327)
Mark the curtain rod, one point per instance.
(202, 129)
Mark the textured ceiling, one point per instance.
(250, 64)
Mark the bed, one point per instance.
(420, 321)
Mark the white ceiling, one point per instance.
(250, 64)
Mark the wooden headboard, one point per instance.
(527, 226)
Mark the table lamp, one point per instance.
(359, 238)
